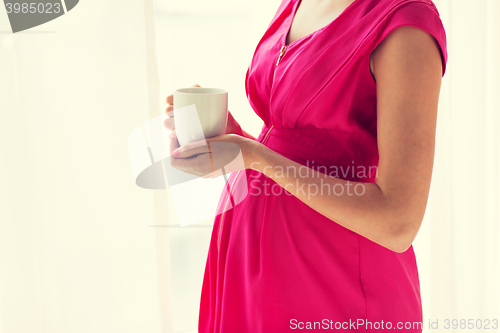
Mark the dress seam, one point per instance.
(360, 280)
(364, 111)
(307, 145)
(357, 156)
(224, 209)
(260, 252)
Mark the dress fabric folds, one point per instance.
(275, 264)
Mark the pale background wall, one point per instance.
(457, 247)
(76, 253)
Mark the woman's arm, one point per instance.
(408, 70)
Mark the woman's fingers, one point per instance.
(169, 123)
(174, 144)
(191, 149)
(170, 99)
(198, 165)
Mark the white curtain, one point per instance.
(77, 253)
(457, 248)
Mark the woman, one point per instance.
(347, 89)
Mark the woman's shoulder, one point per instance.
(387, 8)
(422, 14)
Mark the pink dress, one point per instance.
(275, 264)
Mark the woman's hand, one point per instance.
(232, 125)
(212, 157)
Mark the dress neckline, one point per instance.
(294, 13)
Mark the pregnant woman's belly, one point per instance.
(284, 262)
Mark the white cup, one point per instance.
(211, 113)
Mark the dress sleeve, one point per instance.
(421, 15)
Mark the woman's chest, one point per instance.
(313, 15)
